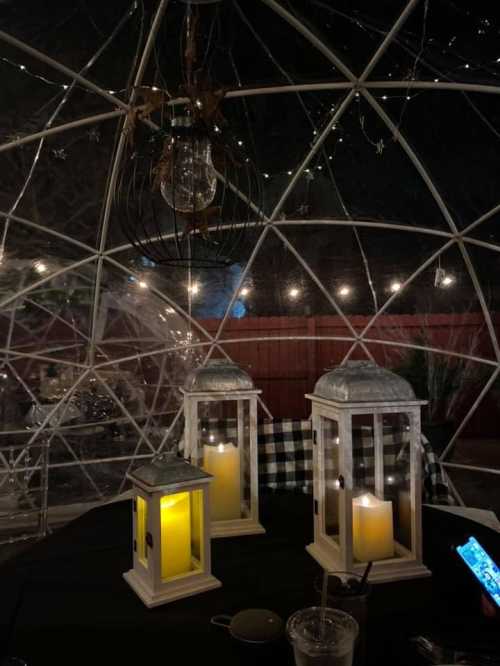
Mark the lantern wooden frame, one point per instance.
(145, 578)
(192, 400)
(339, 556)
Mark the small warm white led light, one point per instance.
(266, 175)
(390, 479)
(448, 280)
(40, 267)
(395, 286)
(240, 143)
(211, 438)
(245, 291)
(142, 284)
(384, 97)
(293, 292)
(220, 448)
(344, 291)
(194, 288)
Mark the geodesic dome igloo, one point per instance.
(374, 134)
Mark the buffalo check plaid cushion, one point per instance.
(285, 458)
(285, 454)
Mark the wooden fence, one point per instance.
(287, 366)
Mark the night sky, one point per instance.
(361, 172)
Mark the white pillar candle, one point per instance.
(372, 531)
(175, 535)
(223, 462)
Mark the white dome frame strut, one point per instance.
(103, 256)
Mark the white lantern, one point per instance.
(171, 531)
(220, 411)
(367, 473)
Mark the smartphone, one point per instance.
(483, 568)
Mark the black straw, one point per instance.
(363, 580)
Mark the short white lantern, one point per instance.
(220, 411)
(367, 473)
(171, 531)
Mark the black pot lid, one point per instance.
(256, 625)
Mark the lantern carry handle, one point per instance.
(221, 620)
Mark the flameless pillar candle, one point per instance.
(175, 535)
(223, 462)
(372, 533)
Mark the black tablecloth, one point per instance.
(77, 609)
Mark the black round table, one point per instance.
(77, 609)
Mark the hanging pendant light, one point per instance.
(190, 184)
(187, 191)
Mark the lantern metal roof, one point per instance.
(165, 470)
(218, 375)
(363, 381)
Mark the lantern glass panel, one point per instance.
(331, 514)
(381, 508)
(363, 454)
(372, 512)
(224, 451)
(141, 529)
(397, 487)
(246, 494)
(181, 533)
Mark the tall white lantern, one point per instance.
(367, 473)
(220, 411)
(171, 531)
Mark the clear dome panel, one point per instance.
(277, 117)
(449, 41)
(111, 36)
(487, 232)
(447, 150)
(443, 304)
(328, 249)
(119, 332)
(45, 291)
(280, 369)
(352, 30)
(66, 181)
(486, 263)
(133, 317)
(31, 91)
(227, 34)
(476, 488)
(356, 172)
(283, 309)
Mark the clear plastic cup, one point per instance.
(322, 637)
(344, 592)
